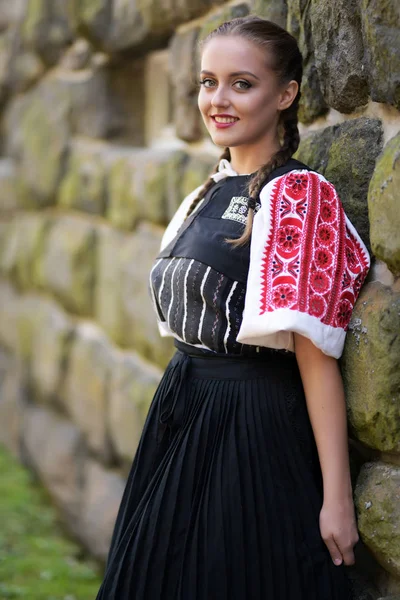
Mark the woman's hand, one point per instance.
(338, 528)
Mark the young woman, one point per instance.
(240, 487)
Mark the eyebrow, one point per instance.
(235, 74)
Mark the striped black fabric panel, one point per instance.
(200, 305)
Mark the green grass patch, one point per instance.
(37, 561)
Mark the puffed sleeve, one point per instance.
(307, 266)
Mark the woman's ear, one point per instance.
(288, 94)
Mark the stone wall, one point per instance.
(100, 140)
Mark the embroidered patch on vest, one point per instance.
(237, 209)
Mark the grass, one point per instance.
(37, 562)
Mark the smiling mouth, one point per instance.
(218, 119)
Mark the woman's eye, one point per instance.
(207, 83)
(242, 85)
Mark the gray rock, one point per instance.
(377, 499)
(66, 267)
(380, 27)
(371, 368)
(384, 207)
(86, 386)
(101, 497)
(12, 402)
(339, 53)
(312, 103)
(54, 449)
(187, 118)
(133, 384)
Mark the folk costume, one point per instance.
(223, 498)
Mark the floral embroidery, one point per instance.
(288, 238)
(323, 258)
(344, 314)
(284, 296)
(317, 306)
(310, 262)
(320, 282)
(297, 182)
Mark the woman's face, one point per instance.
(240, 96)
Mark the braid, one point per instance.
(209, 183)
(291, 140)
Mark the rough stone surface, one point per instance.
(51, 342)
(107, 304)
(141, 331)
(67, 265)
(23, 247)
(371, 368)
(133, 384)
(312, 103)
(49, 26)
(8, 316)
(273, 10)
(384, 206)
(380, 24)
(86, 388)
(53, 447)
(122, 207)
(332, 153)
(101, 498)
(187, 118)
(197, 171)
(377, 498)
(11, 402)
(84, 184)
(37, 136)
(340, 57)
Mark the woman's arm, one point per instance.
(326, 406)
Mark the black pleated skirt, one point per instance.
(223, 498)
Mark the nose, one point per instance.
(220, 99)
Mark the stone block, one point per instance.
(22, 248)
(37, 133)
(19, 67)
(48, 27)
(67, 266)
(339, 53)
(140, 327)
(54, 448)
(384, 206)
(272, 10)
(52, 337)
(11, 402)
(197, 170)
(84, 184)
(371, 368)
(380, 27)
(312, 103)
(101, 497)
(123, 202)
(107, 301)
(133, 384)
(9, 300)
(377, 499)
(86, 386)
(183, 53)
(345, 154)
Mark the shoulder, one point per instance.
(299, 183)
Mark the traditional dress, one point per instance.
(223, 498)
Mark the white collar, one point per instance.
(224, 170)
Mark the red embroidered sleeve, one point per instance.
(306, 260)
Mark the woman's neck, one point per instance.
(245, 160)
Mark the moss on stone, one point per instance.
(371, 368)
(378, 508)
(122, 209)
(384, 207)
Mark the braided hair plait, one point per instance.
(208, 184)
(291, 140)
